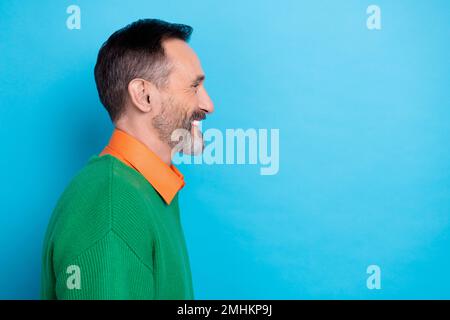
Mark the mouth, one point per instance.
(195, 141)
(197, 118)
(195, 123)
(196, 126)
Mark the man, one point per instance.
(115, 232)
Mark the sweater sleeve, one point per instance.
(109, 269)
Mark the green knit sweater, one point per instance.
(111, 236)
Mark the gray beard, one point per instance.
(173, 124)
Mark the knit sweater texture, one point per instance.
(111, 236)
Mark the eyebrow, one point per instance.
(198, 80)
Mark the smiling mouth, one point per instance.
(197, 117)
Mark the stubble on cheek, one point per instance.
(171, 118)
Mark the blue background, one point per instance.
(364, 119)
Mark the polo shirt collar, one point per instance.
(166, 180)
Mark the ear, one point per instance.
(143, 94)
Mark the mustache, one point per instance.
(198, 116)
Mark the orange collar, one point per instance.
(167, 180)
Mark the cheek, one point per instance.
(180, 111)
(189, 102)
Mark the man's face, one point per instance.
(184, 101)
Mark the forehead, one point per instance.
(183, 59)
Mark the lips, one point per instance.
(198, 116)
(195, 119)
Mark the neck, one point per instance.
(149, 138)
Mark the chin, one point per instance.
(189, 142)
(194, 142)
(195, 146)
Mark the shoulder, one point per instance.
(104, 197)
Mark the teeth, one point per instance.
(195, 122)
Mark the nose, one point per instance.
(206, 103)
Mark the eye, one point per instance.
(195, 86)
